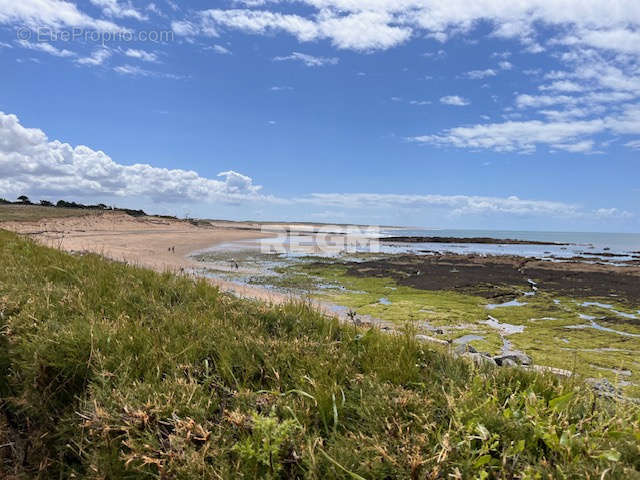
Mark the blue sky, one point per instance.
(415, 112)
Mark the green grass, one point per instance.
(590, 353)
(110, 371)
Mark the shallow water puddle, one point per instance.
(504, 328)
(610, 307)
(597, 326)
(597, 304)
(385, 301)
(512, 303)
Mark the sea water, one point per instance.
(578, 243)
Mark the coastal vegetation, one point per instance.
(112, 371)
(25, 210)
(590, 335)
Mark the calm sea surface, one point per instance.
(580, 243)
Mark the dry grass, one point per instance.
(109, 371)
(35, 213)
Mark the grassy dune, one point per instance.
(110, 371)
(35, 213)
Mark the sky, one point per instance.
(442, 114)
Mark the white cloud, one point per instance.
(51, 13)
(46, 48)
(30, 163)
(455, 100)
(184, 28)
(583, 146)
(132, 70)
(537, 101)
(141, 54)
(620, 39)
(505, 65)
(115, 8)
(633, 144)
(524, 136)
(135, 71)
(381, 24)
(460, 205)
(308, 60)
(480, 74)
(98, 57)
(612, 213)
(219, 49)
(365, 30)
(280, 88)
(361, 30)
(153, 8)
(261, 22)
(514, 136)
(563, 86)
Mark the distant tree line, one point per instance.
(24, 200)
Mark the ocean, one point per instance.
(620, 245)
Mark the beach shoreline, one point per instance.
(156, 243)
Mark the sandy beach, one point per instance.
(156, 243)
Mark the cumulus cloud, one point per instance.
(31, 163)
(480, 74)
(524, 136)
(261, 22)
(56, 14)
(455, 100)
(382, 24)
(141, 54)
(308, 60)
(563, 86)
(617, 39)
(361, 30)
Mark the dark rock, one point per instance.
(507, 362)
(464, 348)
(518, 357)
(479, 359)
(483, 240)
(602, 386)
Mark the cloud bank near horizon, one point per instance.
(32, 164)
